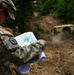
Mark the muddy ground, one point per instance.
(60, 59)
(59, 53)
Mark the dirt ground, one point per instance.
(59, 53)
(59, 59)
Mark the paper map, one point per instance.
(26, 39)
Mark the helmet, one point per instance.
(9, 6)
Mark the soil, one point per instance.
(59, 59)
(59, 53)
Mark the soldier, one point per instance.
(10, 51)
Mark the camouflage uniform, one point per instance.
(24, 54)
(21, 54)
(10, 51)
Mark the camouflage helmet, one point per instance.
(9, 6)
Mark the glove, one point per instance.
(32, 52)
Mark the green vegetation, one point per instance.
(62, 9)
(65, 10)
(47, 7)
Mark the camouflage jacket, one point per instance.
(21, 55)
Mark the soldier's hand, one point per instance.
(32, 52)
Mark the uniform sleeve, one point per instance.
(29, 53)
(25, 54)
